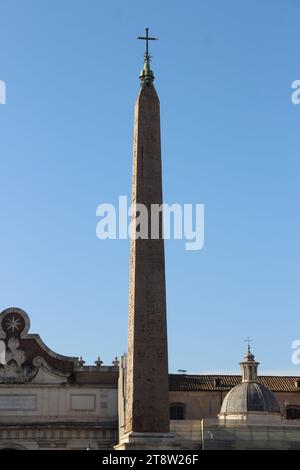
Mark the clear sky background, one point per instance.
(230, 140)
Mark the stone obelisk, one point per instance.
(147, 390)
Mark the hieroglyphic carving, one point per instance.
(147, 407)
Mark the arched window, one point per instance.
(292, 412)
(177, 411)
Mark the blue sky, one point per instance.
(230, 141)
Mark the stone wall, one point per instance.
(58, 417)
(207, 404)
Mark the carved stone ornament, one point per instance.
(15, 368)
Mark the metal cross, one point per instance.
(147, 39)
(248, 341)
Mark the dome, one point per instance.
(250, 400)
(250, 396)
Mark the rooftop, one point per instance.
(194, 383)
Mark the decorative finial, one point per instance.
(81, 362)
(115, 362)
(146, 74)
(248, 341)
(98, 362)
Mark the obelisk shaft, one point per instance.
(147, 400)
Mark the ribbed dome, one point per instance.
(250, 396)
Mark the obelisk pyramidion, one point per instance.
(147, 393)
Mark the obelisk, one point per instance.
(147, 389)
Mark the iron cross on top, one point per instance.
(147, 39)
(248, 341)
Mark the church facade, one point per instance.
(50, 401)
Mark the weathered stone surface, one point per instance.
(149, 441)
(147, 402)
